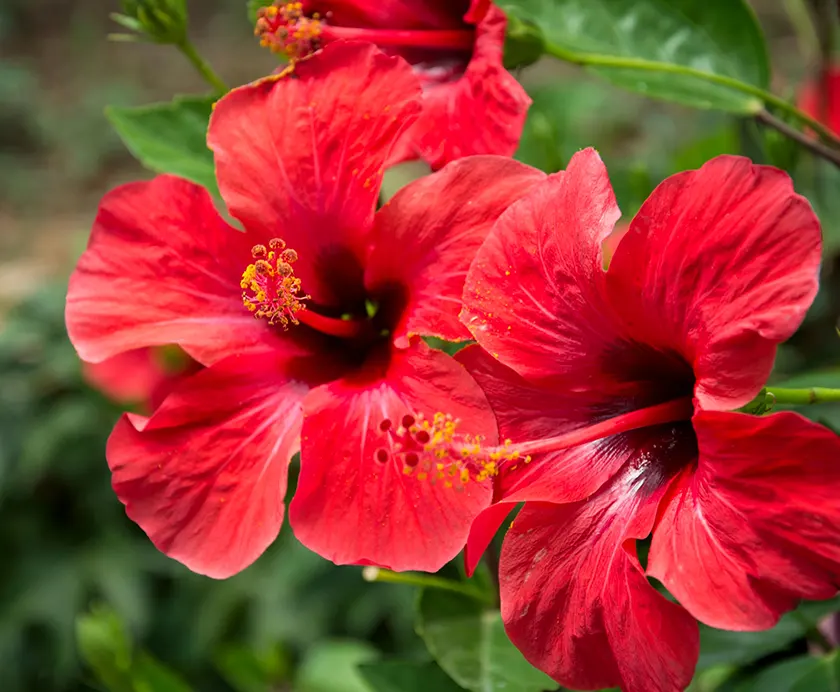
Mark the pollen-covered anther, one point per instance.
(270, 289)
(284, 28)
(434, 450)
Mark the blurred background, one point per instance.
(81, 588)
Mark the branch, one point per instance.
(814, 146)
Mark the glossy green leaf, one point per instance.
(716, 37)
(407, 676)
(332, 666)
(470, 644)
(170, 137)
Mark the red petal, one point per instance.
(205, 476)
(301, 156)
(161, 267)
(612, 240)
(534, 295)
(477, 11)
(721, 264)
(425, 248)
(529, 411)
(757, 526)
(482, 532)
(129, 377)
(483, 112)
(353, 509)
(575, 600)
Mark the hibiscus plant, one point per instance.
(575, 414)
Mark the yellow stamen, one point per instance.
(270, 290)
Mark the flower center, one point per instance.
(271, 291)
(285, 29)
(270, 288)
(436, 450)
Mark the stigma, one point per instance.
(285, 29)
(434, 450)
(270, 289)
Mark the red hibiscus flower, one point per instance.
(471, 104)
(141, 376)
(820, 99)
(339, 294)
(617, 388)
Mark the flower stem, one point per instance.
(424, 581)
(809, 143)
(203, 67)
(804, 396)
(762, 97)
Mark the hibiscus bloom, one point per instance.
(820, 98)
(140, 376)
(471, 104)
(618, 389)
(339, 294)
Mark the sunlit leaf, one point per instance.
(717, 37)
(170, 137)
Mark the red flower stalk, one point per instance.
(142, 376)
(471, 104)
(310, 340)
(620, 385)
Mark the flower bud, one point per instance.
(524, 43)
(159, 21)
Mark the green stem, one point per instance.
(424, 581)
(203, 67)
(763, 97)
(807, 395)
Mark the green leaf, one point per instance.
(470, 644)
(800, 674)
(721, 647)
(333, 667)
(407, 676)
(524, 43)
(696, 152)
(170, 137)
(716, 37)
(104, 645)
(246, 670)
(150, 675)
(448, 347)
